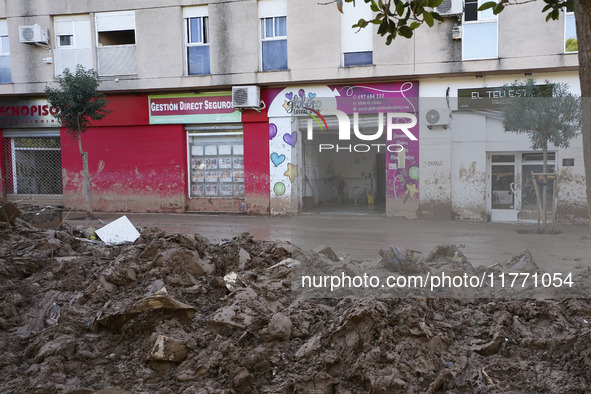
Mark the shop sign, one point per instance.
(492, 98)
(368, 98)
(193, 108)
(27, 113)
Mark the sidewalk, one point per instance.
(362, 236)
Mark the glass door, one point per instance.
(502, 187)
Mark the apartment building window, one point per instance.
(197, 40)
(273, 35)
(116, 49)
(356, 44)
(480, 32)
(570, 34)
(5, 73)
(73, 43)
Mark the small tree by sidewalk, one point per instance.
(78, 101)
(548, 114)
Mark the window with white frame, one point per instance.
(273, 35)
(116, 49)
(356, 44)
(480, 32)
(197, 40)
(73, 43)
(570, 34)
(5, 73)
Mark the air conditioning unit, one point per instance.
(437, 117)
(246, 96)
(450, 7)
(34, 34)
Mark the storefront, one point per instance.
(30, 158)
(359, 148)
(448, 155)
(473, 169)
(345, 149)
(224, 171)
(152, 153)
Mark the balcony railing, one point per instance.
(70, 58)
(117, 60)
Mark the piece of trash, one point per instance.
(585, 321)
(288, 262)
(118, 231)
(89, 233)
(38, 213)
(159, 300)
(488, 378)
(87, 240)
(54, 315)
(230, 280)
(523, 262)
(168, 349)
(506, 339)
(401, 259)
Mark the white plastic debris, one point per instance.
(230, 280)
(118, 231)
(54, 314)
(288, 262)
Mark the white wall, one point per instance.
(453, 161)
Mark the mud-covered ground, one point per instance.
(176, 314)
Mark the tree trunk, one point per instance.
(86, 174)
(544, 188)
(582, 10)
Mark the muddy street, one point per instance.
(181, 313)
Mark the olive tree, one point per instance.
(79, 102)
(550, 115)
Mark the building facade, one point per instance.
(176, 143)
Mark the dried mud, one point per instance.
(82, 317)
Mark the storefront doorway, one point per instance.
(511, 194)
(344, 177)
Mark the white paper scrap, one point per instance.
(120, 230)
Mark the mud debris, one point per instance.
(158, 316)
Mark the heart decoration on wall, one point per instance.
(290, 139)
(277, 159)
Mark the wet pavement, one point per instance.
(362, 236)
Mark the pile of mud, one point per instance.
(172, 313)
